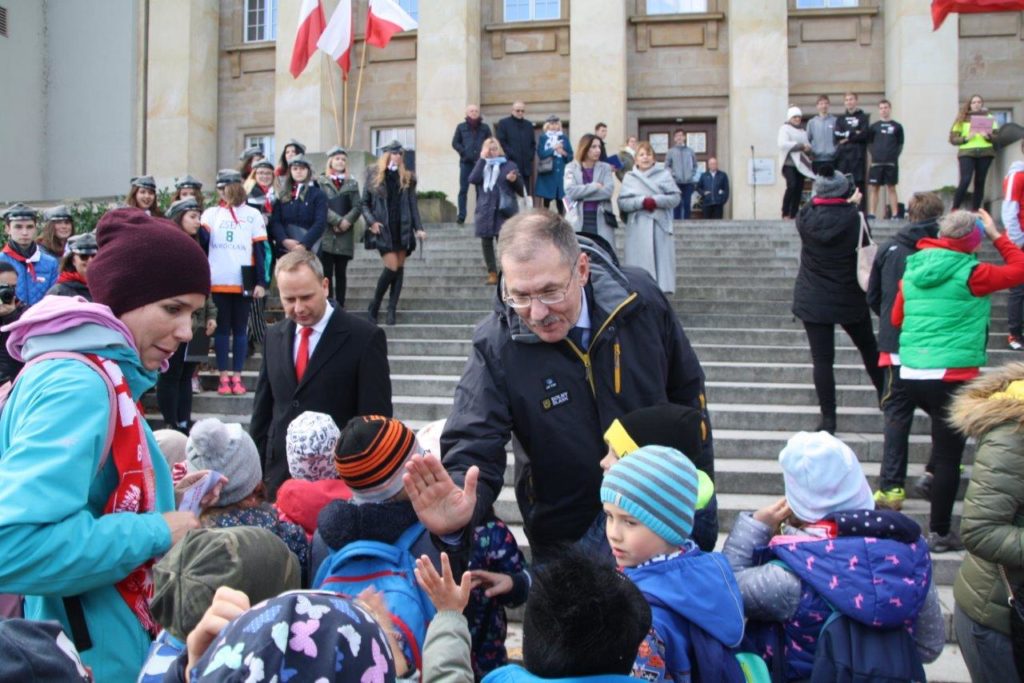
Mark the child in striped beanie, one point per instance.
(650, 498)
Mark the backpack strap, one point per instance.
(409, 537)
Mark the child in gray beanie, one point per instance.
(229, 450)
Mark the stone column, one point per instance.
(922, 82)
(181, 104)
(758, 97)
(447, 80)
(302, 106)
(598, 65)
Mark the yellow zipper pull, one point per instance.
(618, 368)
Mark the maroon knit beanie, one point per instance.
(143, 259)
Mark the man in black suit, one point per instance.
(321, 359)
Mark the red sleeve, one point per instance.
(989, 277)
(896, 317)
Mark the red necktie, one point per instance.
(302, 359)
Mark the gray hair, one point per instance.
(528, 231)
(957, 224)
(294, 260)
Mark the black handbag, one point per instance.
(609, 219)
(545, 165)
(507, 204)
(1016, 624)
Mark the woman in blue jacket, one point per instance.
(299, 217)
(553, 145)
(81, 518)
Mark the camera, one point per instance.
(6, 295)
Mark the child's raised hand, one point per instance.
(227, 604)
(495, 584)
(775, 514)
(441, 588)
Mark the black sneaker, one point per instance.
(945, 544)
(460, 219)
(922, 486)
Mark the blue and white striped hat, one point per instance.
(658, 486)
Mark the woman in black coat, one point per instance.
(827, 293)
(393, 223)
(299, 217)
(493, 175)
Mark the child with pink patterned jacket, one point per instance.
(823, 547)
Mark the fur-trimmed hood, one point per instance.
(974, 412)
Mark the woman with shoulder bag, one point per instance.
(975, 150)
(393, 223)
(553, 152)
(498, 184)
(991, 409)
(648, 195)
(589, 182)
(343, 210)
(827, 292)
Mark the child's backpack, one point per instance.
(851, 652)
(388, 568)
(714, 661)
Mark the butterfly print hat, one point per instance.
(300, 636)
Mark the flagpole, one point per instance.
(359, 87)
(344, 107)
(334, 103)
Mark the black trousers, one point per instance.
(1015, 311)
(821, 337)
(174, 390)
(335, 269)
(898, 409)
(714, 211)
(933, 396)
(794, 188)
(487, 243)
(558, 205)
(978, 168)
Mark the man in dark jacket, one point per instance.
(574, 343)
(515, 133)
(468, 140)
(886, 272)
(713, 188)
(851, 134)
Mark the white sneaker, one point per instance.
(196, 386)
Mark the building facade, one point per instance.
(216, 79)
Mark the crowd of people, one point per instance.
(330, 541)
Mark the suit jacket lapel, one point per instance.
(284, 356)
(331, 340)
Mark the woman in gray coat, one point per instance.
(493, 175)
(589, 183)
(343, 210)
(648, 195)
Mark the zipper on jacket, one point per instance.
(618, 368)
(585, 356)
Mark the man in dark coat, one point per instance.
(468, 139)
(713, 188)
(321, 358)
(573, 343)
(851, 135)
(515, 133)
(924, 211)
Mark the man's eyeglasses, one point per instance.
(547, 298)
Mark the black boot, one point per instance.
(387, 276)
(396, 291)
(827, 423)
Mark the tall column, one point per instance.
(447, 80)
(922, 82)
(181, 103)
(758, 97)
(598, 66)
(303, 108)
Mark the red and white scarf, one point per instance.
(136, 487)
(27, 261)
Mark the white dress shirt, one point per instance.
(314, 337)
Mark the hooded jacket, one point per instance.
(556, 401)
(886, 273)
(993, 522)
(851, 135)
(826, 289)
(54, 537)
(820, 133)
(695, 588)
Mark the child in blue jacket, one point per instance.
(37, 270)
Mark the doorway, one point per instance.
(701, 136)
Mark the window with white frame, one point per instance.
(412, 7)
(676, 6)
(1002, 116)
(264, 140)
(260, 20)
(382, 136)
(825, 4)
(532, 10)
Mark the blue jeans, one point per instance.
(464, 171)
(682, 209)
(987, 653)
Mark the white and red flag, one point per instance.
(311, 25)
(384, 19)
(337, 38)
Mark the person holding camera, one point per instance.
(827, 293)
(10, 310)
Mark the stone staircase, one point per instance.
(734, 294)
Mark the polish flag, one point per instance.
(337, 37)
(384, 19)
(311, 25)
(942, 8)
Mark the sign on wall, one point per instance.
(761, 171)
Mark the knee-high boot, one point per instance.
(396, 291)
(387, 276)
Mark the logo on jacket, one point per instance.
(550, 384)
(555, 401)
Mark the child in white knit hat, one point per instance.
(823, 548)
(309, 445)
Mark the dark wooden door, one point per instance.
(702, 136)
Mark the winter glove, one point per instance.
(650, 204)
